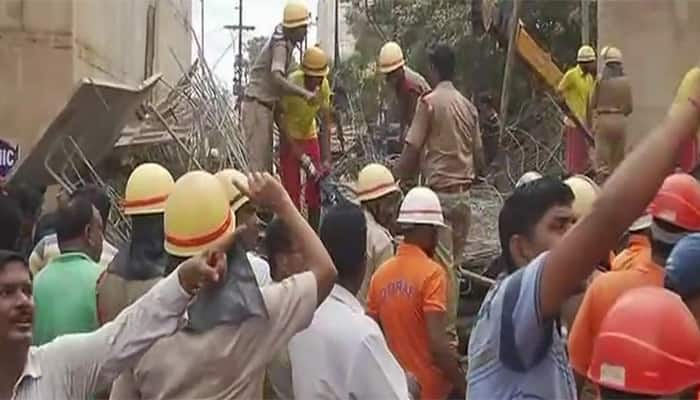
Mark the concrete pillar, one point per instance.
(659, 41)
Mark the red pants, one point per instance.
(576, 147)
(290, 171)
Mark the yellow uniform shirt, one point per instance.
(576, 87)
(299, 117)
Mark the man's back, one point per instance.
(446, 125)
(65, 297)
(343, 355)
(401, 292)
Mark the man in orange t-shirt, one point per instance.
(408, 298)
(638, 245)
(675, 214)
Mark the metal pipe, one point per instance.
(510, 60)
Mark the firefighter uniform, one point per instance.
(611, 103)
(408, 91)
(446, 131)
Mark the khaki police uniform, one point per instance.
(446, 130)
(408, 91)
(261, 94)
(611, 103)
(380, 248)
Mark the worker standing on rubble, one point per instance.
(445, 140)
(688, 154)
(575, 88)
(515, 350)
(300, 147)
(379, 195)
(140, 264)
(611, 103)
(408, 85)
(268, 82)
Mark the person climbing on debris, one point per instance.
(445, 141)
(609, 107)
(140, 264)
(379, 196)
(300, 145)
(408, 297)
(648, 348)
(515, 350)
(268, 82)
(675, 215)
(575, 89)
(408, 85)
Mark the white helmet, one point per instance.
(421, 206)
(528, 177)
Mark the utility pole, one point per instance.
(201, 27)
(238, 63)
(336, 53)
(513, 29)
(585, 22)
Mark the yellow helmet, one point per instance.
(585, 54)
(235, 198)
(197, 214)
(390, 58)
(611, 54)
(147, 189)
(585, 193)
(296, 14)
(315, 62)
(375, 181)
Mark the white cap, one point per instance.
(641, 223)
(421, 206)
(528, 177)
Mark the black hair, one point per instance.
(7, 257)
(98, 197)
(72, 218)
(29, 198)
(525, 208)
(10, 223)
(612, 394)
(277, 240)
(442, 57)
(344, 235)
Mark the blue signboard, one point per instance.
(9, 156)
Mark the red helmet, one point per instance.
(678, 202)
(649, 343)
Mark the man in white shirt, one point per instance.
(343, 354)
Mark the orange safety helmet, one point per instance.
(649, 343)
(678, 202)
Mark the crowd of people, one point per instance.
(224, 290)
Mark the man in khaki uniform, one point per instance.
(408, 85)
(444, 139)
(611, 103)
(379, 195)
(268, 82)
(138, 266)
(228, 360)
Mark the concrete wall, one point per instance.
(659, 41)
(46, 47)
(326, 28)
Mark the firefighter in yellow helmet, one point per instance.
(407, 84)
(250, 324)
(268, 82)
(249, 224)
(141, 262)
(611, 103)
(575, 89)
(379, 195)
(300, 144)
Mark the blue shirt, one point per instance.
(513, 352)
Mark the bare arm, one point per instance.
(478, 149)
(325, 139)
(443, 353)
(415, 138)
(574, 258)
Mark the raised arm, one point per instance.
(623, 198)
(97, 358)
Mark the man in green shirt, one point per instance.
(65, 290)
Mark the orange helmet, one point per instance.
(678, 202)
(632, 355)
